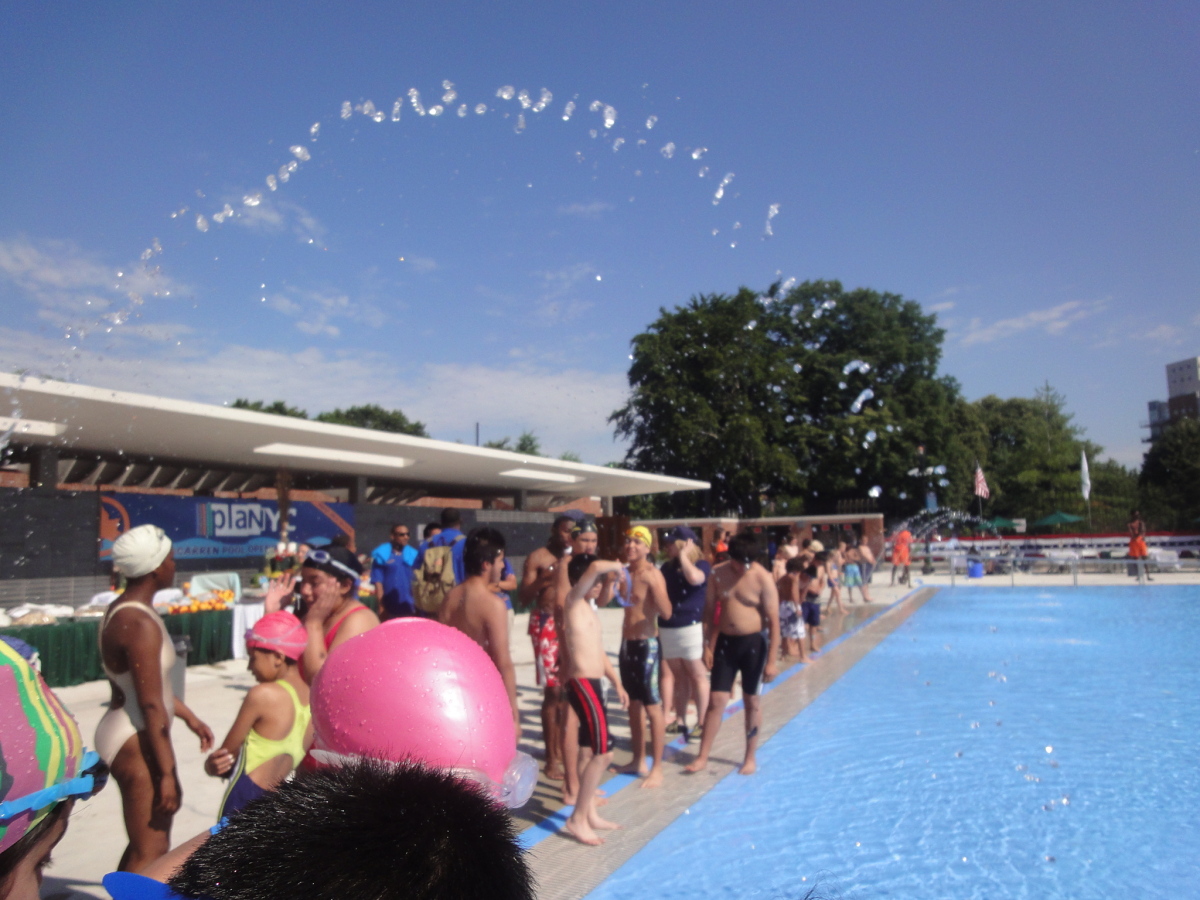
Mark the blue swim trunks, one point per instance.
(851, 575)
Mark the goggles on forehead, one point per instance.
(322, 558)
(92, 777)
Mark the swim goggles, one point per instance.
(520, 778)
(322, 558)
(92, 777)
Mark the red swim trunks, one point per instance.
(545, 647)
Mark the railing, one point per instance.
(957, 565)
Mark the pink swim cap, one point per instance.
(413, 689)
(279, 631)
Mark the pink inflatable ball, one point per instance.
(415, 689)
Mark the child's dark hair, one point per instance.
(484, 544)
(12, 856)
(795, 564)
(367, 829)
(578, 565)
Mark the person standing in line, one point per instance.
(682, 634)
(134, 735)
(743, 640)
(640, 655)
(789, 548)
(478, 612)
(586, 663)
(852, 574)
(539, 590)
(867, 561)
(793, 591)
(392, 574)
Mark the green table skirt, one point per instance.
(70, 654)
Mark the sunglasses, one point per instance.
(84, 785)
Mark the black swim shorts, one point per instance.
(744, 653)
(638, 663)
(810, 611)
(587, 699)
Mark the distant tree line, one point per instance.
(801, 400)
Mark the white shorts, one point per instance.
(682, 643)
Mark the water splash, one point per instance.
(857, 405)
(856, 365)
(721, 188)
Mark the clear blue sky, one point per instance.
(1029, 171)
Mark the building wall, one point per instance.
(1183, 377)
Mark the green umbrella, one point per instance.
(1001, 522)
(1058, 518)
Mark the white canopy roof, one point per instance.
(82, 420)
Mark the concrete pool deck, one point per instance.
(564, 868)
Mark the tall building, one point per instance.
(1183, 397)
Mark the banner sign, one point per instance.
(212, 528)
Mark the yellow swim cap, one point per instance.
(642, 533)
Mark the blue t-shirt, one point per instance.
(687, 599)
(447, 538)
(395, 573)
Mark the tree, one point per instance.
(527, 444)
(1032, 459)
(799, 399)
(376, 418)
(570, 456)
(1170, 479)
(278, 408)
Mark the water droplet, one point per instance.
(300, 152)
(201, 223)
(436, 110)
(699, 152)
(651, 122)
(272, 183)
(568, 110)
(797, 368)
(610, 117)
(520, 126)
(462, 110)
(315, 130)
(414, 97)
(750, 325)
(871, 436)
(841, 385)
(451, 95)
(856, 365)
(480, 109)
(668, 150)
(617, 144)
(876, 492)
(857, 405)
(720, 192)
(507, 92)
(347, 109)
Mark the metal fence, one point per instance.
(973, 566)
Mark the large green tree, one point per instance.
(795, 400)
(1170, 479)
(278, 408)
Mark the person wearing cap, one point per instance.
(538, 590)
(269, 737)
(641, 653)
(44, 769)
(682, 633)
(134, 735)
(332, 613)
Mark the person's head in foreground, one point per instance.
(368, 829)
(744, 549)
(329, 566)
(43, 770)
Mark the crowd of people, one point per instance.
(691, 627)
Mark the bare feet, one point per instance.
(582, 832)
(749, 767)
(696, 765)
(554, 773)
(602, 824)
(654, 779)
(633, 769)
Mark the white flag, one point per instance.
(1085, 479)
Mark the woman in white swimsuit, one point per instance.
(134, 737)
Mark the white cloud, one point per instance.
(1053, 321)
(586, 210)
(1162, 334)
(941, 307)
(315, 311)
(274, 215)
(422, 265)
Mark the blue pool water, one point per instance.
(1026, 743)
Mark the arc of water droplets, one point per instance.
(772, 212)
(721, 188)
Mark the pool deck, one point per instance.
(564, 868)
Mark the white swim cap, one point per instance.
(140, 550)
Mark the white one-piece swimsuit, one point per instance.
(118, 725)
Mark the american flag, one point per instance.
(981, 488)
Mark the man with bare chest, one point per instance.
(641, 654)
(737, 641)
(539, 587)
(478, 612)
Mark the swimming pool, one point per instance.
(1031, 743)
